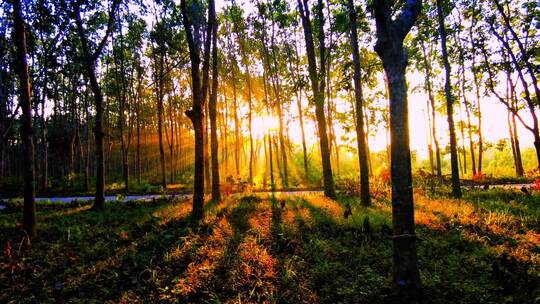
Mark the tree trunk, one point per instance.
(159, 89)
(122, 109)
(318, 90)
(476, 84)
(360, 136)
(196, 114)
(390, 35)
(99, 134)
(138, 126)
(44, 157)
(236, 127)
(207, 177)
(514, 132)
(272, 182)
(467, 109)
(298, 94)
(89, 62)
(87, 139)
(216, 195)
(456, 188)
(27, 133)
(429, 89)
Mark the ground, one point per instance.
(291, 248)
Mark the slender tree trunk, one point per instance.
(90, 62)
(514, 132)
(429, 139)
(463, 149)
(44, 157)
(87, 139)
(250, 114)
(360, 134)
(476, 84)
(207, 177)
(318, 90)
(27, 134)
(171, 144)
(366, 139)
(298, 94)
(225, 133)
(272, 182)
(304, 147)
(269, 134)
(160, 87)
(467, 105)
(122, 121)
(236, 127)
(456, 188)
(480, 135)
(216, 195)
(433, 113)
(138, 126)
(512, 141)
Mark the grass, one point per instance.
(262, 249)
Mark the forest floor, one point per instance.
(290, 248)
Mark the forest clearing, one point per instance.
(269, 151)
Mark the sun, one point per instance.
(264, 125)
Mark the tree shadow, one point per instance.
(138, 253)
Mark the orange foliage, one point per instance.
(478, 177)
(385, 176)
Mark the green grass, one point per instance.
(258, 249)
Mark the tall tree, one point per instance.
(456, 187)
(27, 133)
(317, 78)
(212, 103)
(360, 134)
(159, 56)
(391, 32)
(90, 58)
(199, 88)
(475, 13)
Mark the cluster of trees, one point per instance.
(98, 82)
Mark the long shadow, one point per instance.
(99, 263)
(286, 246)
(471, 267)
(238, 218)
(98, 255)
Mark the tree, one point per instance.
(456, 188)
(27, 133)
(391, 31)
(318, 79)
(360, 134)
(199, 89)
(522, 63)
(216, 195)
(90, 58)
(477, 79)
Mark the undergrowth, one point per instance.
(272, 249)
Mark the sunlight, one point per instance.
(263, 125)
